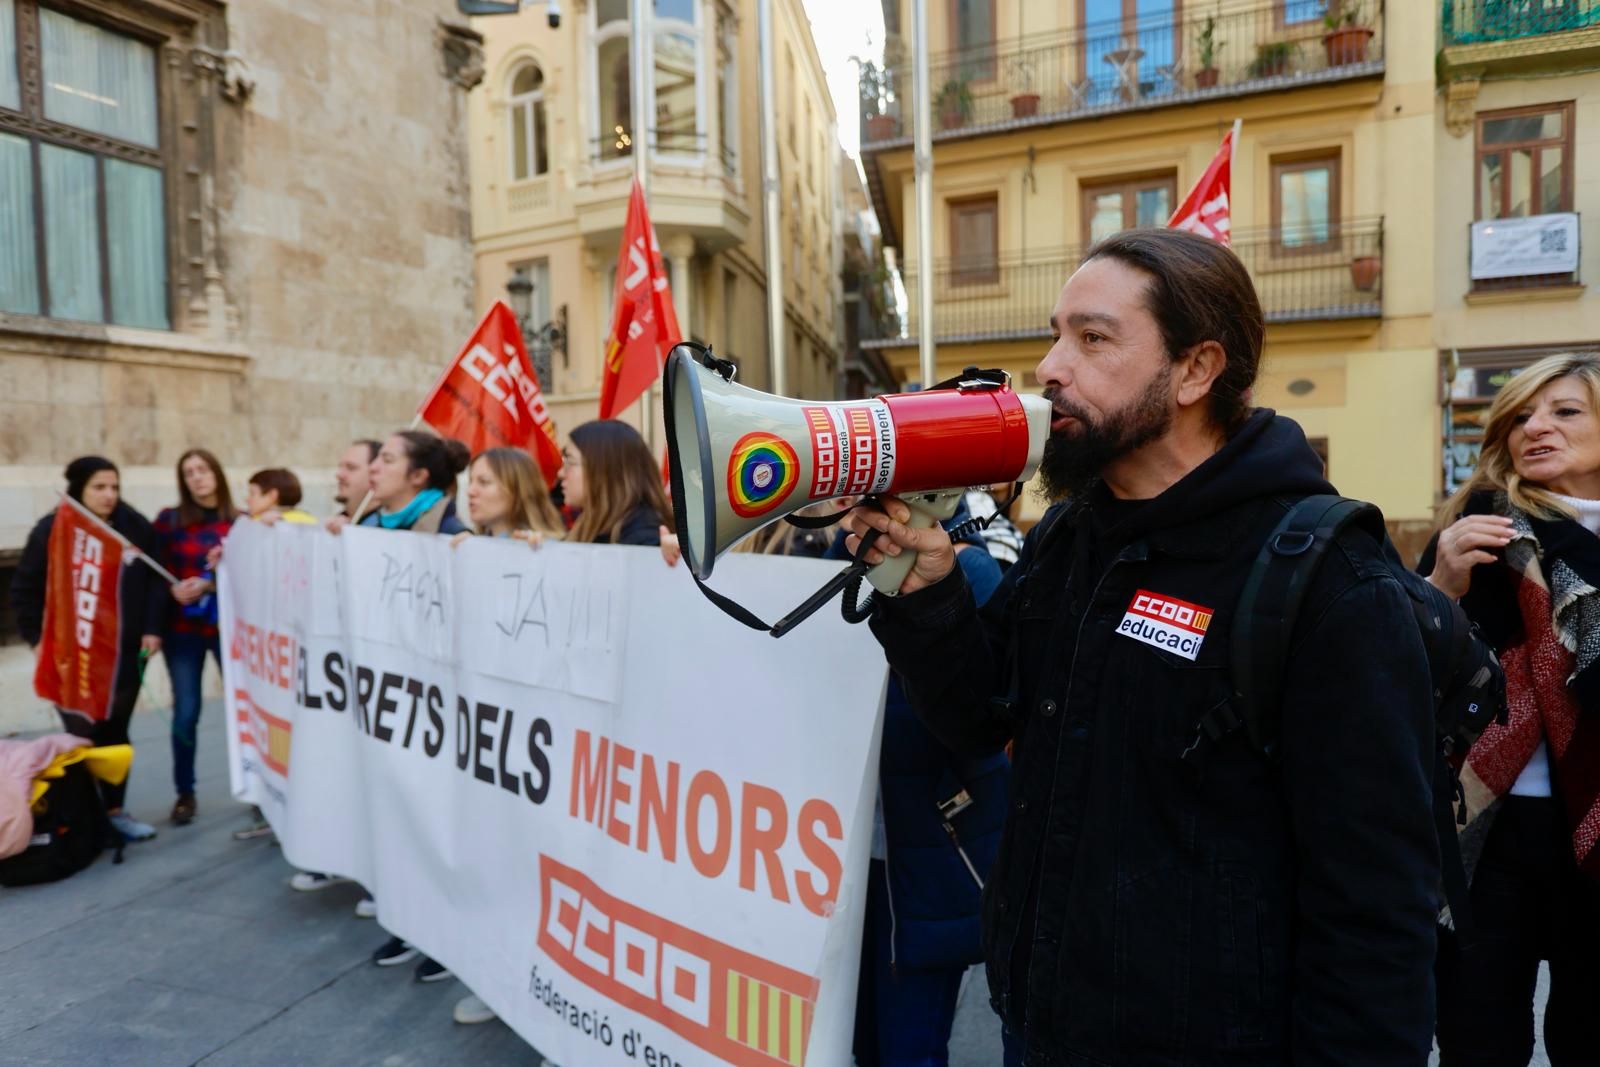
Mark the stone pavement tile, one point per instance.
(377, 1015)
(47, 977)
(134, 1023)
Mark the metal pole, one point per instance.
(773, 222)
(923, 150)
(641, 43)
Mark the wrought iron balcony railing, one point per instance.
(1481, 21)
(1199, 52)
(1300, 276)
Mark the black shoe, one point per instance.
(395, 952)
(431, 970)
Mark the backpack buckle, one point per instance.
(1293, 542)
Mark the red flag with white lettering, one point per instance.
(1205, 210)
(77, 668)
(489, 396)
(644, 325)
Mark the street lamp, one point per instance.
(541, 341)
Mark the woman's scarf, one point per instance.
(407, 516)
(1549, 651)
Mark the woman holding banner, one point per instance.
(187, 534)
(94, 482)
(506, 497)
(411, 478)
(610, 478)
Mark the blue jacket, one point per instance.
(933, 894)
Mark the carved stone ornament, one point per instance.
(461, 49)
(234, 78)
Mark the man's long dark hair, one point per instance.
(1199, 291)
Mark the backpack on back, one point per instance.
(67, 835)
(1468, 685)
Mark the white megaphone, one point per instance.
(742, 458)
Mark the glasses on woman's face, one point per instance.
(571, 459)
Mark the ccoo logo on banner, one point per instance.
(635, 852)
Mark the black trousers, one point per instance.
(112, 731)
(1529, 903)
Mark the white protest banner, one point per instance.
(636, 829)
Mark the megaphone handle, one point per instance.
(927, 509)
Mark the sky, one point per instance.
(845, 28)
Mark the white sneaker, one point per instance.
(130, 828)
(471, 1010)
(366, 908)
(311, 881)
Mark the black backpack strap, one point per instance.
(1264, 620)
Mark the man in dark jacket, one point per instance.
(1164, 897)
(94, 482)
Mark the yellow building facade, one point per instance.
(1057, 124)
(552, 143)
(1518, 162)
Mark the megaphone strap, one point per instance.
(850, 577)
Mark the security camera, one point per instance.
(553, 10)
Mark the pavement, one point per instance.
(195, 951)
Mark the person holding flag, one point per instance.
(128, 612)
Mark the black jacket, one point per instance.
(642, 526)
(142, 595)
(1216, 907)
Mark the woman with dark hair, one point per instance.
(1518, 548)
(411, 478)
(187, 534)
(609, 476)
(94, 482)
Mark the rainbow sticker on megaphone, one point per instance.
(762, 471)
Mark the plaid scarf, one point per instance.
(1549, 586)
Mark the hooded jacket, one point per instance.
(1164, 899)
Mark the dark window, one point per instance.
(1524, 162)
(975, 241)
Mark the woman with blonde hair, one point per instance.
(1518, 547)
(506, 497)
(610, 476)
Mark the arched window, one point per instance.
(615, 135)
(529, 155)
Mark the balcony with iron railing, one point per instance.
(1484, 21)
(1193, 54)
(1301, 275)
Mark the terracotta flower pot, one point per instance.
(1347, 44)
(1206, 78)
(950, 118)
(1024, 105)
(1364, 272)
(880, 127)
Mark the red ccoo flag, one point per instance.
(78, 648)
(1205, 210)
(644, 326)
(489, 396)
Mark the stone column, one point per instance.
(680, 247)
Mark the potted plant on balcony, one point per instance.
(1348, 34)
(1272, 59)
(1207, 45)
(954, 104)
(1364, 272)
(1025, 102)
(874, 102)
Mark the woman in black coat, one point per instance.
(94, 482)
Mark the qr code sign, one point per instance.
(1553, 240)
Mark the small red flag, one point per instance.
(1205, 210)
(78, 648)
(489, 396)
(644, 326)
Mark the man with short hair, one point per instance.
(351, 478)
(1166, 893)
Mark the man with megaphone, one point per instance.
(1164, 894)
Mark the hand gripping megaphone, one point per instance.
(741, 459)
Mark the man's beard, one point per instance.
(1073, 460)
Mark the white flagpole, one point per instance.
(643, 108)
(127, 545)
(922, 152)
(772, 222)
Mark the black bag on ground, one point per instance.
(67, 835)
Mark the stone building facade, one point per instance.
(236, 225)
